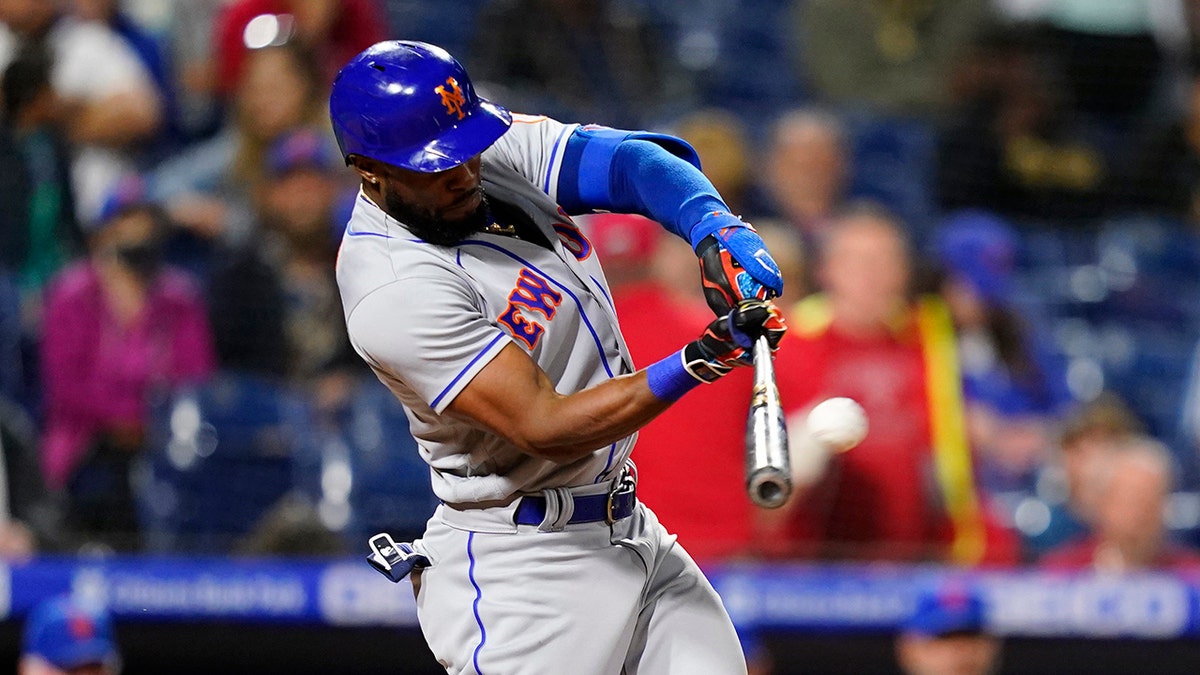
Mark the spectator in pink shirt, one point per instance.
(117, 326)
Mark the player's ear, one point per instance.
(366, 168)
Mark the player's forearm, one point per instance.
(596, 417)
(563, 428)
(514, 399)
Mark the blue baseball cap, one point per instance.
(303, 148)
(68, 634)
(980, 248)
(952, 608)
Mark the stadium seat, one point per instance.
(1152, 376)
(362, 470)
(220, 456)
(892, 159)
(1154, 269)
(449, 23)
(390, 488)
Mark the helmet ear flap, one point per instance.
(412, 105)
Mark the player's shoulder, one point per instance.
(531, 130)
(407, 270)
(525, 118)
(376, 252)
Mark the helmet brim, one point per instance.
(482, 127)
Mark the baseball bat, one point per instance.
(768, 465)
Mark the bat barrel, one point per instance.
(768, 466)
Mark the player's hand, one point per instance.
(753, 318)
(728, 340)
(735, 266)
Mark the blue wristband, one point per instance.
(669, 379)
(711, 222)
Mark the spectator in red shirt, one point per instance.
(1128, 528)
(906, 492)
(691, 474)
(336, 30)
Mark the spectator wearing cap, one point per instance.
(118, 325)
(67, 637)
(1089, 437)
(274, 304)
(1015, 392)
(947, 634)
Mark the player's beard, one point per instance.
(434, 230)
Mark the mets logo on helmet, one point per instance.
(452, 97)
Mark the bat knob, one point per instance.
(769, 489)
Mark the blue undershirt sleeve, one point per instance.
(653, 175)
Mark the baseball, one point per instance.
(840, 423)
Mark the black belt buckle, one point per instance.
(625, 485)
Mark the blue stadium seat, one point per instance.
(363, 469)
(221, 455)
(1153, 379)
(752, 74)
(391, 488)
(449, 24)
(892, 160)
(1155, 269)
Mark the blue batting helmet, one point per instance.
(70, 634)
(412, 105)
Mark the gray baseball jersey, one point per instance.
(499, 597)
(428, 318)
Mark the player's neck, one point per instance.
(508, 220)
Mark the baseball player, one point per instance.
(470, 292)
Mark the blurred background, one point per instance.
(988, 213)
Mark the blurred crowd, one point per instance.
(987, 213)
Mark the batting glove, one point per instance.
(728, 340)
(735, 265)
